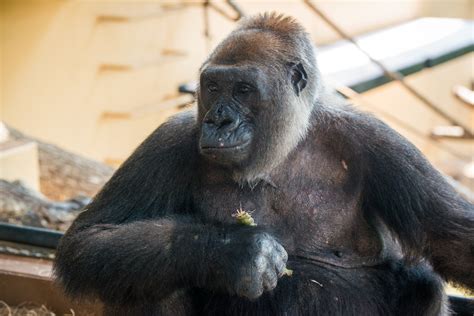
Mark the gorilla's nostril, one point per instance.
(226, 122)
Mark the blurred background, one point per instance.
(84, 82)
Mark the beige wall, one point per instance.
(66, 63)
(64, 68)
(436, 84)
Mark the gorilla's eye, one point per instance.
(243, 88)
(212, 87)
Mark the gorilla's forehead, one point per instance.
(249, 46)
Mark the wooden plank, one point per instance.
(30, 280)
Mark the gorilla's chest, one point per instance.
(311, 205)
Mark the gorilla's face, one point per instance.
(231, 99)
(250, 113)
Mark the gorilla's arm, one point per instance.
(429, 218)
(133, 239)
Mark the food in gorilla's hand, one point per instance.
(288, 272)
(245, 218)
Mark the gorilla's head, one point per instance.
(256, 92)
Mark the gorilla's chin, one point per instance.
(232, 154)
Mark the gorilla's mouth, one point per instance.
(226, 153)
(225, 147)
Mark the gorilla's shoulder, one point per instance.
(178, 130)
(345, 118)
(363, 133)
(174, 139)
(369, 128)
(354, 128)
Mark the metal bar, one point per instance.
(207, 33)
(41, 237)
(222, 12)
(233, 4)
(390, 74)
(358, 98)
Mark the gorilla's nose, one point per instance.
(222, 120)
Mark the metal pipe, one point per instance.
(34, 236)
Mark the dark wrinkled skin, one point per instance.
(368, 226)
(229, 94)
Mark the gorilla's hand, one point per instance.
(251, 262)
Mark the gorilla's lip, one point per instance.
(233, 146)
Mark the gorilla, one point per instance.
(363, 220)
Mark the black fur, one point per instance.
(368, 226)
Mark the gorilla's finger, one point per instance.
(280, 266)
(270, 279)
(251, 288)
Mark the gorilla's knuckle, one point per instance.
(254, 292)
(280, 267)
(262, 236)
(263, 244)
(282, 253)
(251, 288)
(285, 256)
(266, 245)
(270, 280)
(260, 263)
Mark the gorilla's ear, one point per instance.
(298, 77)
